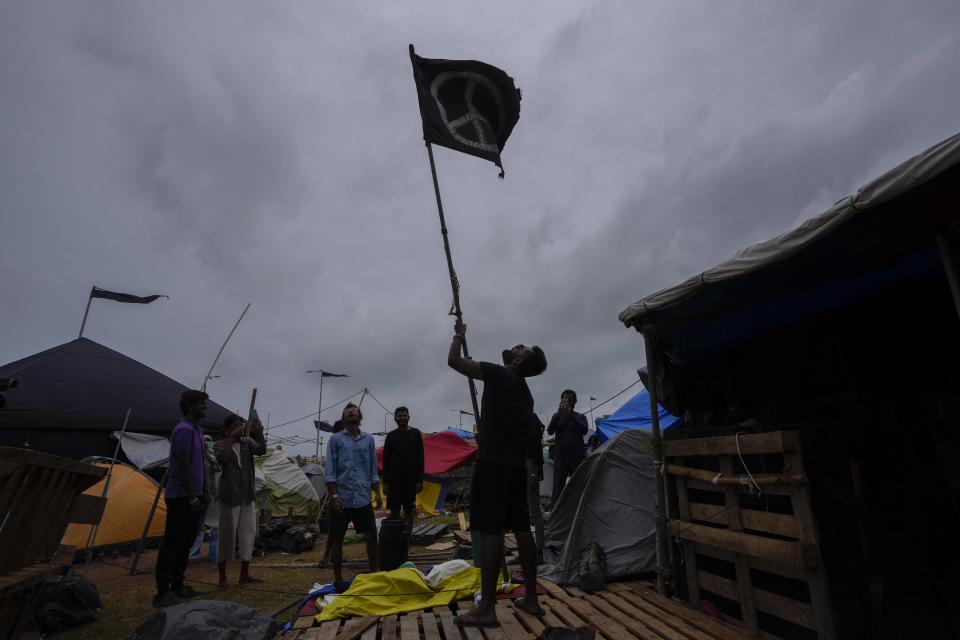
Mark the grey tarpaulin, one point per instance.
(610, 500)
(680, 300)
(206, 620)
(315, 475)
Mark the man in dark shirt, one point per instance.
(236, 511)
(498, 493)
(403, 467)
(569, 427)
(186, 500)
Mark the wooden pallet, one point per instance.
(727, 539)
(622, 611)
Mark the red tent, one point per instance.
(443, 451)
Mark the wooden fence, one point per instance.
(39, 495)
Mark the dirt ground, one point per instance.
(126, 599)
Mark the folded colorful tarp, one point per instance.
(399, 591)
(442, 452)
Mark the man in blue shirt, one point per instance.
(351, 474)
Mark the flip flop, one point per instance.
(523, 606)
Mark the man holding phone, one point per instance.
(569, 427)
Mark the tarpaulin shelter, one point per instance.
(609, 500)
(444, 453)
(314, 473)
(128, 507)
(71, 397)
(634, 414)
(844, 330)
(289, 487)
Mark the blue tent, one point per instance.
(634, 414)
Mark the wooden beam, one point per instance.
(795, 611)
(356, 627)
(776, 523)
(794, 554)
(750, 444)
(87, 509)
(732, 479)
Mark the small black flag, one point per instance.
(124, 297)
(327, 374)
(466, 105)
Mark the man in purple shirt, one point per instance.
(186, 498)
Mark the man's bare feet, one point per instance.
(531, 607)
(478, 618)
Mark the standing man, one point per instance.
(569, 427)
(498, 491)
(351, 474)
(236, 510)
(403, 467)
(185, 498)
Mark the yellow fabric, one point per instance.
(399, 591)
(128, 505)
(426, 499)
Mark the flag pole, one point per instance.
(253, 403)
(203, 387)
(86, 312)
(454, 283)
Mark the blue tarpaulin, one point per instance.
(634, 414)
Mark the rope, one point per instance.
(745, 467)
(597, 406)
(314, 413)
(378, 402)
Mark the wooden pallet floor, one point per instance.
(622, 611)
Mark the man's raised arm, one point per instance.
(456, 361)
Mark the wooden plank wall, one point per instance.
(735, 531)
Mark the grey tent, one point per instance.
(314, 473)
(610, 500)
(70, 398)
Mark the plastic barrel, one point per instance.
(394, 540)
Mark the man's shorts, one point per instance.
(402, 494)
(361, 517)
(498, 498)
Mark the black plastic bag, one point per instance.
(71, 602)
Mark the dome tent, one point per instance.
(610, 500)
(288, 486)
(128, 507)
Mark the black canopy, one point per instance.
(71, 397)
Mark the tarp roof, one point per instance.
(442, 452)
(634, 414)
(84, 386)
(880, 235)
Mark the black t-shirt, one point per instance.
(403, 456)
(506, 416)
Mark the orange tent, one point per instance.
(128, 505)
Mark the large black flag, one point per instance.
(466, 105)
(124, 297)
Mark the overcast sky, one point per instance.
(231, 152)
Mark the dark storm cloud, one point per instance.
(226, 153)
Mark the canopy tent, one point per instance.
(444, 453)
(634, 414)
(128, 507)
(609, 500)
(803, 313)
(71, 397)
(289, 487)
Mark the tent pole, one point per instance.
(92, 538)
(663, 571)
(946, 254)
(146, 529)
(206, 378)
